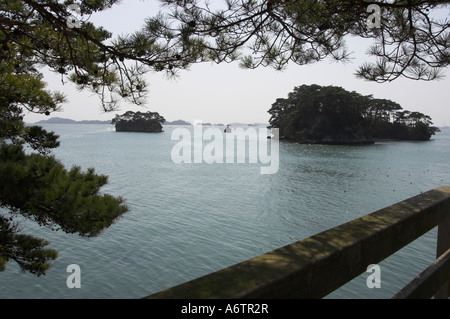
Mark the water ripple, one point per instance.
(191, 219)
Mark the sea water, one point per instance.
(190, 219)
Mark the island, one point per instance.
(148, 122)
(60, 120)
(177, 122)
(313, 114)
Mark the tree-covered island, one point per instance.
(148, 122)
(331, 115)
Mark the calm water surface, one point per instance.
(187, 220)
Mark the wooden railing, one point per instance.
(316, 266)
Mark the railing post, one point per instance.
(443, 243)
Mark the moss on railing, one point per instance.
(318, 265)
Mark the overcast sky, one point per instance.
(225, 93)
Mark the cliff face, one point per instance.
(355, 134)
(139, 126)
(322, 132)
(344, 140)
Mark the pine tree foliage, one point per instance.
(40, 33)
(29, 252)
(33, 183)
(40, 188)
(411, 40)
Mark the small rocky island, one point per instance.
(148, 122)
(331, 115)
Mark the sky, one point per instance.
(225, 93)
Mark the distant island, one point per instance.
(177, 122)
(148, 122)
(59, 120)
(331, 115)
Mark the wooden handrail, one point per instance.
(316, 266)
(429, 281)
